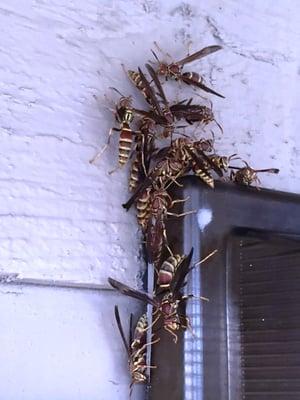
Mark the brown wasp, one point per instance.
(192, 113)
(247, 175)
(153, 208)
(222, 162)
(144, 147)
(167, 169)
(174, 70)
(174, 162)
(166, 304)
(136, 348)
(169, 267)
(192, 153)
(142, 84)
(124, 116)
(165, 115)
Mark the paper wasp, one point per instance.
(136, 348)
(169, 267)
(166, 305)
(174, 69)
(247, 175)
(124, 115)
(153, 207)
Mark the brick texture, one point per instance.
(60, 217)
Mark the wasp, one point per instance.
(169, 267)
(143, 85)
(136, 348)
(219, 164)
(182, 147)
(193, 113)
(144, 147)
(164, 112)
(222, 162)
(176, 161)
(174, 69)
(153, 208)
(166, 170)
(200, 163)
(247, 175)
(167, 304)
(124, 115)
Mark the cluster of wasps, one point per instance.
(154, 169)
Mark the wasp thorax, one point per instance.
(125, 102)
(246, 176)
(204, 145)
(138, 377)
(174, 326)
(174, 70)
(162, 69)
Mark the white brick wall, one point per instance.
(60, 217)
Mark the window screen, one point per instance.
(263, 318)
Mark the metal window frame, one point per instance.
(180, 374)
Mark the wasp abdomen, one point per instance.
(203, 175)
(167, 271)
(193, 76)
(125, 143)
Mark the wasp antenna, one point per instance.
(219, 126)
(124, 69)
(155, 56)
(116, 90)
(233, 157)
(247, 165)
(271, 170)
(161, 51)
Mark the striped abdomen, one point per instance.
(139, 336)
(125, 143)
(155, 238)
(136, 165)
(167, 270)
(134, 174)
(143, 208)
(203, 175)
(137, 81)
(193, 76)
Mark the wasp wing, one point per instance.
(128, 291)
(199, 54)
(130, 328)
(181, 273)
(200, 85)
(209, 161)
(270, 170)
(154, 239)
(150, 92)
(157, 84)
(142, 186)
(121, 330)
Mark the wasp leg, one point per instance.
(166, 241)
(115, 169)
(191, 296)
(182, 214)
(205, 258)
(175, 338)
(179, 201)
(153, 323)
(99, 154)
(163, 52)
(187, 324)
